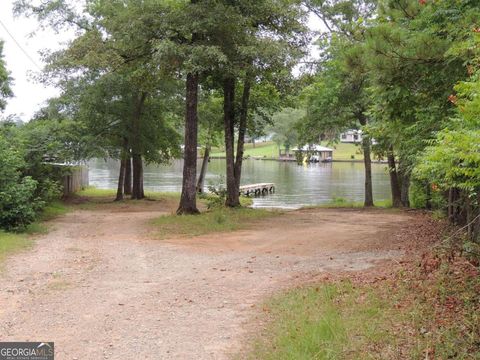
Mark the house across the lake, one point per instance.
(314, 153)
(351, 136)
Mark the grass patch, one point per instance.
(92, 197)
(267, 149)
(339, 202)
(53, 210)
(216, 220)
(12, 242)
(426, 310)
(330, 321)
(93, 192)
(345, 151)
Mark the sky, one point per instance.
(29, 95)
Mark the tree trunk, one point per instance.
(137, 189)
(406, 191)
(188, 199)
(242, 130)
(368, 165)
(232, 199)
(468, 208)
(404, 185)
(394, 183)
(450, 205)
(368, 173)
(428, 197)
(127, 186)
(203, 171)
(455, 211)
(120, 180)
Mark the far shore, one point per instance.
(294, 160)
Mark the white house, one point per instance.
(351, 136)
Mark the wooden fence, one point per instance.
(75, 179)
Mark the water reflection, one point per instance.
(296, 185)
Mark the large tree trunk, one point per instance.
(137, 189)
(232, 199)
(121, 175)
(127, 185)
(368, 201)
(188, 199)
(203, 171)
(242, 130)
(394, 183)
(127, 179)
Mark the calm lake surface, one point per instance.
(296, 185)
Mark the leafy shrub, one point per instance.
(217, 194)
(419, 197)
(49, 190)
(19, 203)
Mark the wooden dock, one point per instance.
(257, 189)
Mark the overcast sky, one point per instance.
(30, 95)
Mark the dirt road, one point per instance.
(102, 287)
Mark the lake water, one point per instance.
(296, 185)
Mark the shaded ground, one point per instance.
(101, 286)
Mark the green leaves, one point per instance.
(453, 161)
(5, 81)
(18, 203)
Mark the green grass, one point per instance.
(93, 192)
(427, 309)
(340, 202)
(91, 198)
(269, 149)
(12, 242)
(53, 210)
(213, 221)
(330, 321)
(345, 151)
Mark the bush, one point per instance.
(419, 197)
(216, 196)
(19, 203)
(49, 190)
